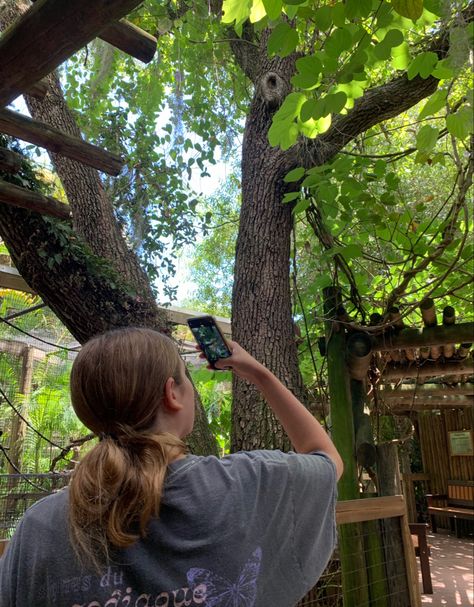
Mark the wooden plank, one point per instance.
(428, 369)
(410, 561)
(434, 403)
(130, 39)
(10, 278)
(179, 316)
(369, 509)
(33, 201)
(10, 162)
(46, 136)
(429, 336)
(407, 391)
(47, 34)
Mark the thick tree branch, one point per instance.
(376, 105)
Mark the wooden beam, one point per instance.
(33, 201)
(429, 336)
(38, 90)
(427, 404)
(369, 509)
(428, 369)
(10, 162)
(40, 133)
(130, 39)
(47, 34)
(10, 278)
(420, 391)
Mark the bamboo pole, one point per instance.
(354, 573)
(359, 355)
(429, 336)
(47, 34)
(449, 318)
(407, 391)
(34, 201)
(40, 133)
(428, 369)
(428, 312)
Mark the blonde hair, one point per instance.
(117, 386)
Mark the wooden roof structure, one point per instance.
(36, 44)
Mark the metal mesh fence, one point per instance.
(20, 491)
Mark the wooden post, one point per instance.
(449, 318)
(34, 201)
(364, 440)
(388, 477)
(18, 430)
(351, 549)
(40, 133)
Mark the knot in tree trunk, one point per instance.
(273, 89)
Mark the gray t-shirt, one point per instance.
(253, 529)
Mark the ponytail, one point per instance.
(115, 490)
(117, 387)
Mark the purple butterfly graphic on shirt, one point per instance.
(222, 593)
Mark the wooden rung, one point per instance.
(33, 201)
(40, 133)
(10, 162)
(47, 34)
(131, 40)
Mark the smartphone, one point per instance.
(209, 337)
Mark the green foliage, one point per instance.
(214, 388)
(212, 261)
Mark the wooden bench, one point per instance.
(422, 551)
(457, 504)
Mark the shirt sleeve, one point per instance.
(314, 493)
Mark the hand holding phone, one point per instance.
(209, 338)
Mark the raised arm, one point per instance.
(304, 430)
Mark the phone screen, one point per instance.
(209, 338)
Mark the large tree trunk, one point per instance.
(261, 301)
(89, 278)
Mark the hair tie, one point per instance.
(103, 435)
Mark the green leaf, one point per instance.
(401, 56)
(291, 196)
(460, 124)
(273, 8)
(323, 18)
(308, 109)
(236, 10)
(393, 38)
(309, 72)
(301, 206)
(283, 40)
(358, 8)
(423, 64)
(434, 103)
(426, 138)
(339, 41)
(412, 9)
(294, 175)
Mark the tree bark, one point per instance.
(89, 277)
(261, 300)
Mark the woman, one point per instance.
(144, 524)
